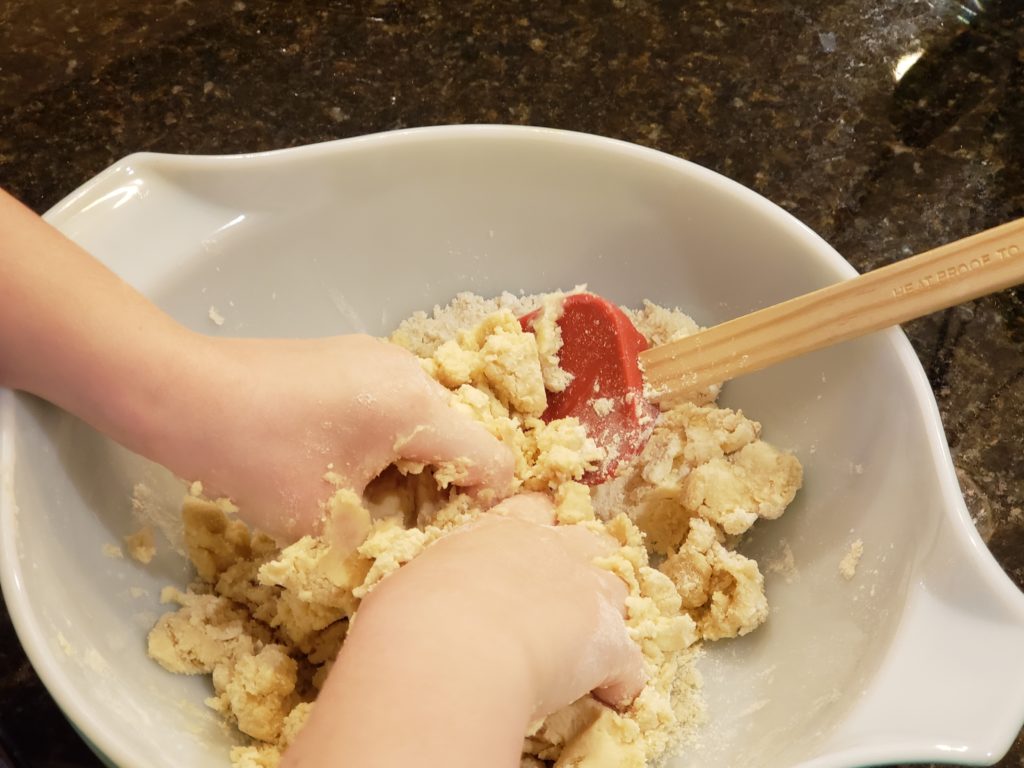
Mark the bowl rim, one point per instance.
(32, 636)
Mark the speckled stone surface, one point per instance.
(811, 103)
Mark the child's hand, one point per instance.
(259, 421)
(450, 658)
(268, 418)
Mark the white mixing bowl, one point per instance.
(919, 658)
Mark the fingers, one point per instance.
(433, 431)
(621, 656)
(624, 686)
(584, 543)
(529, 507)
(623, 660)
(613, 661)
(447, 436)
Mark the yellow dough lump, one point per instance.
(266, 623)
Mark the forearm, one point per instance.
(75, 334)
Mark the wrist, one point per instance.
(412, 687)
(161, 407)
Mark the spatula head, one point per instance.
(600, 348)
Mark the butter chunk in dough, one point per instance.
(716, 491)
(550, 735)
(587, 733)
(756, 481)
(455, 366)
(707, 462)
(738, 603)
(255, 756)
(258, 690)
(499, 354)
(610, 742)
(241, 583)
(422, 334)
(573, 504)
(317, 587)
(389, 545)
(772, 477)
(268, 755)
(202, 633)
(549, 342)
(512, 368)
(214, 541)
(294, 721)
(564, 452)
(655, 617)
(723, 590)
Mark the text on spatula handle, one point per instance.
(957, 270)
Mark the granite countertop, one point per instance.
(888, 127)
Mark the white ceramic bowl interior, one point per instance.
(917, 658)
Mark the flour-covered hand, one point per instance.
(491, 627)
(278, 416)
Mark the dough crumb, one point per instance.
(112, 551)
(258, 690)
(848, 565)
(549, 342)
(215, 316)
(141, 545)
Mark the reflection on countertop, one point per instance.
(888, 127)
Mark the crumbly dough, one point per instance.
(266, 623)
(848, 565)
(141, 545)
(112, 551)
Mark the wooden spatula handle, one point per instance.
(960, 271)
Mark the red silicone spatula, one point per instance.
(604, 352)
(601, 348)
